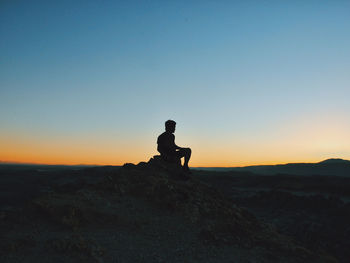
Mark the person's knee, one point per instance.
(188, 151)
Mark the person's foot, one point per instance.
(187, 169)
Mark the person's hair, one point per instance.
(169, 123)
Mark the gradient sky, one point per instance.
(248, 82)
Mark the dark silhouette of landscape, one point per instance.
(149, 213)
(333, 166)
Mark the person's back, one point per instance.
(166, 143)
(167, 147)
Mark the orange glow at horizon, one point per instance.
(299, 141)
(97, 153)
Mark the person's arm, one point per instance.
(176, 147)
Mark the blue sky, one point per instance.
(245, 80)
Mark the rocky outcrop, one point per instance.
(150, 212)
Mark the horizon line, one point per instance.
(82, 164)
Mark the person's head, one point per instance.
(170, 126)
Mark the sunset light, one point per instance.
(246, 83)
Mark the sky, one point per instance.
(248, 82)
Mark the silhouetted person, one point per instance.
(169, 150)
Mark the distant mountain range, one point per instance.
(333, 166)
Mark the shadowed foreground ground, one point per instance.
(148, 213)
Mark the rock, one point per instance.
(137, 205)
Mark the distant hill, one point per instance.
(335, 161)
(333, 166)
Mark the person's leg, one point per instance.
(172, 157)
(186, 153)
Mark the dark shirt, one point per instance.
(166, 143)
